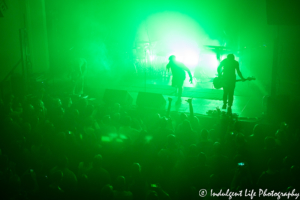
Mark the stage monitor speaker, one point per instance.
(151, 100)
(117, 96)
(283, 12)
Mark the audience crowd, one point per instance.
(71, 148)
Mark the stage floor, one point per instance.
(205, 97)
(247, 103)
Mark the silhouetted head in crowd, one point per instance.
(49, 127)
(136, 124)
(57, 103)
(83, 181)
(213, 135)
(154, 119)
(106, 120)
(204, 134)
(201, 159)
(60, 112)
(217, 148)
(163, 122)
(290, 189)
(57, 177)
(82, 104)
(26, 128)
(127, 121)
(98, 161)
(107, 192)
(295, 171)
(8, 121)
(186, 126)
(192, 151)
(89, 110)
(288, 161)
(171, 141)
(136, 170)
(67, 102)
(237, 127)
(29, 110)
(259, 131)
(8, 99)
(87, 156)
(195, 122)
(215, 181)
(17, 107)
(62, 162)
(75, 114)
(280, 135)
(14, 183)
(152, 196)
(240, 139)
(61, 137)
(183, 117)
(141, 139)
(28, 181)
(273, 164)
(116, 117)
(40, 104)
(270, 143)
(120, 184)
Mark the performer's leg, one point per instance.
(174, 84)
(230, 97)
(179, 94)
(180, 88)
(225, 95)
(231, 94)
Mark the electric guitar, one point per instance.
(218, 81)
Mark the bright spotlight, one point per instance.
(191, 59)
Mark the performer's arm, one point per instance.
(189, 72)
(239, 72)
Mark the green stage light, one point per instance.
(186, 53)
(174, 33)
(208, 64)
(191, 58)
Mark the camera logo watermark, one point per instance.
(202, 192)
(250, 193)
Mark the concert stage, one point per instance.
(247, 104)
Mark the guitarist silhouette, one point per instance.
(227, 72)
